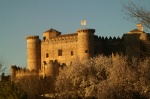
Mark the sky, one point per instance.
(21, 18)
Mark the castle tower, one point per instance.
(85, 43)
(50, 34)
(140, 26)
(33, 53)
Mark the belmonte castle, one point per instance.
(45, 57)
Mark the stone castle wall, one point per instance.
(66, 48)
(18, 73)
(62, 48)
(55, 50)
(107, 46)
(51, 68)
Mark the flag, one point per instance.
(83, 22)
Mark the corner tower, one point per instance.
(33, 52)
(85, 43)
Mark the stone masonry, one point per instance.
(45, 57)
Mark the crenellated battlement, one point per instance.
(17, 72)
(51, 68)
(110, 38)
(86, 30)
(102, 38)
(25, 72)
(62, 39)
(56, 63)
(32, 37)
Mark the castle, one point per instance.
(45, 57)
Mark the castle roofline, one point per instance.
(64, 35)
(86, 29)
(32, 37)
(135, 31)
(51, 30)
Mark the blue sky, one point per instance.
(19, 18)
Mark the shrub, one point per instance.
(105, 77)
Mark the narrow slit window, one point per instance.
(86, 51)
(60, 52)
(47, 55)
(71, 53)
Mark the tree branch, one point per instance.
(137, 13)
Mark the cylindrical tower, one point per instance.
(33, 52)
(85, 43)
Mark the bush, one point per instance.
(105, 77)
(9, 90)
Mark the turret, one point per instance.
(85, 43)
(33, 53)
(50, 34)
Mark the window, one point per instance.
(44, 38)
(60, 52)
(86, 51)
(47, 55)
(71, 53)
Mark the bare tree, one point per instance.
(2, 68)
(1, 65)
(137, 13)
